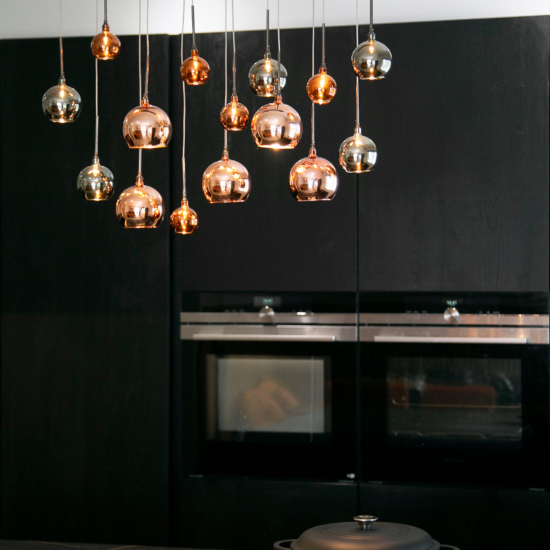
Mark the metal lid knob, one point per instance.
(266, 311)
(451, 315)
(365, 522)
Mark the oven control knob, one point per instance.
(451, 315)
(266, 312)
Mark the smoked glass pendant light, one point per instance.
(184, 220)
(226, 180)
(61, 103)
(234, 115)
(321, 88)
(276, 125)
(371, 60)
(265, 73)
(105, 45)
(194, 70)
(357, 153)
(146, 126)
(313, 178)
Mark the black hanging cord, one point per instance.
(194, 47)
(105, 13)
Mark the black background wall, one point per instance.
(458, 200)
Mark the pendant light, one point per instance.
(321, 88)
(357, 153)
(313, 178)
(234, 115)
(105, 45)
(146, 126)
(276, 125)
(371, 60)
(61, 103)
(265, 74)
(226, 180)
(184, 220)
(194, 70)
(140, 206)
(96, 182)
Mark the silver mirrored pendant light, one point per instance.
(357, 153)
(226, 180)
(105, 45)
(371, 60)
(184, 220)
(276, 125)
(265, 73)
(313, 178)
(61, 103)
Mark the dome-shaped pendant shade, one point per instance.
(105, 45)
(276, 126)
(226, 181)
(321, 88)
(195, 70)
(234, 115)
(140, 207)
(262, 77)
(184, 220)
(96, 182)
(147, 127)
(371, 60)
(357, 154)
(313, 179)
(62, 103)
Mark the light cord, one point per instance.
(371, 27)
(146, 94)
(225, 96)
(278, 48)
(312, 75)
(61, 38)
(357, 127)
(105, 13)
(96, 150)
(267, 29)
(183, 173)
(139, 63)
(323, 64)
(234, 48)
(194, 47)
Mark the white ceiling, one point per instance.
(40, 18)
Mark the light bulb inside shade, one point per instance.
(321, 88)
(147, 127)
(313, 179)
(357, 154)
(96, 182)
(195, 70)
(371, 60)
(263, 75)
(184, 220)
(226, 181)
(105, 45)
(62, 103)
(276, 126)
(140, 207)
(234, 115)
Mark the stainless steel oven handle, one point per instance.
(450, 340)
(267, 337)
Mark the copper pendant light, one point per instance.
(194, 70)
(265, 74)
(61, 103)
(184, 220)
(105, 45)
(146, 126)
(371, 60)
(357, 153)
(226, 180)
(313, 178)
(276, 125)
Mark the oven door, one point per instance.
(271, 401)
(445, 410)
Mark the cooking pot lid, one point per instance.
(365, 534)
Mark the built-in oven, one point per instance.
(269, 385)
(454, 393)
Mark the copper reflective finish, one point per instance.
(262, 76)
(371, 60)
(313, 179)
(62, 103)
(195, 70)
(276, 126)
(321, 88)
(357, 154)
(234, 115)
(184, 220)
(147, 127)
(226, 181)
(105, 45)
(96, 182)
(140, 207)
